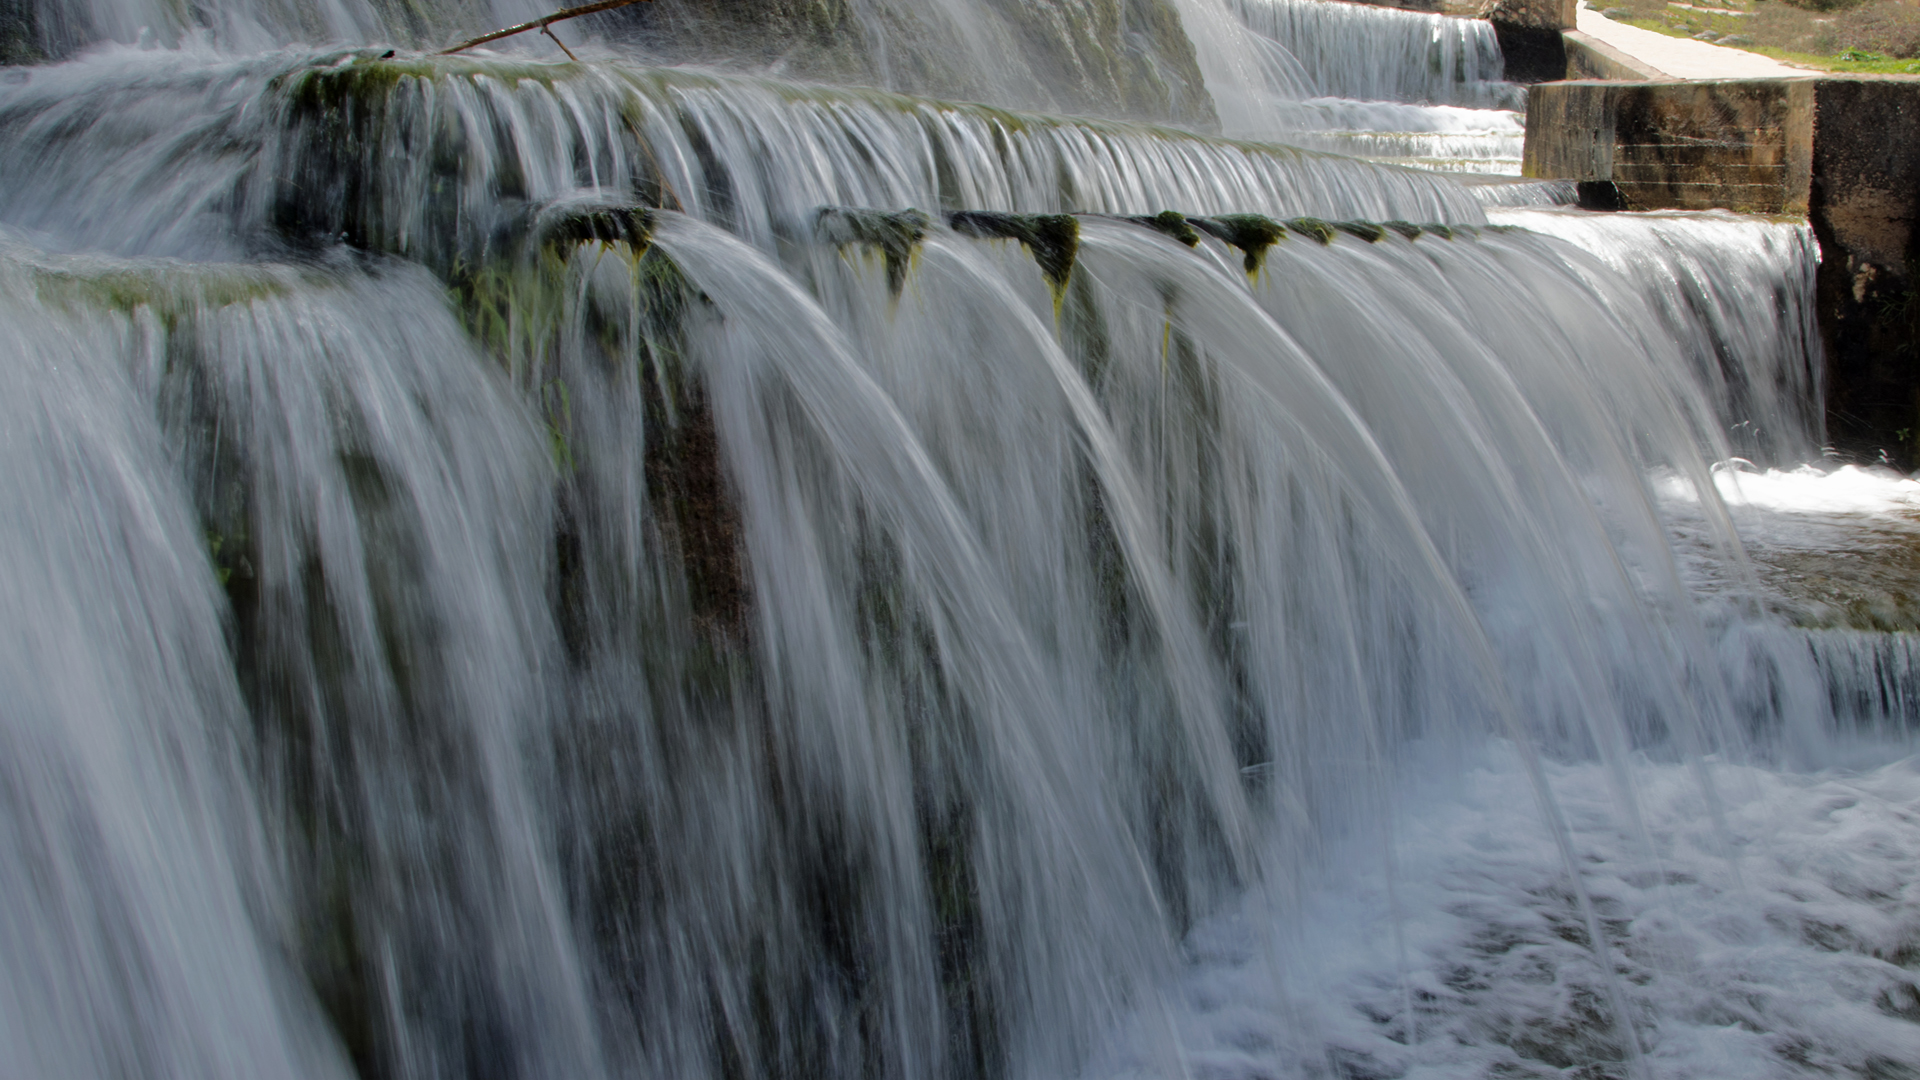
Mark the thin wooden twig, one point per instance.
(548, 30)
(540, 24)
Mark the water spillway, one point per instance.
(1365, 53)
(1354, 78)
(524, 568)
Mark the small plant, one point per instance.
(1053, 239)
(1253, 234)
(1171, 223)
(893, 234)
(1314, 227)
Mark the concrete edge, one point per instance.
(1590, 58)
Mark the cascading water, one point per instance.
(521, 568)
(1370, 81)
(1366, 53)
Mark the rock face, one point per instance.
(20, 37)
(1841, 151)
(1118, 58)
(1863, 199)
(1530, 36)
(1531, 14)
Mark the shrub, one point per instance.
(1886, 27)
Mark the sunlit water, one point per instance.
(463, 628)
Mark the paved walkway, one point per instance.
(1682, 58)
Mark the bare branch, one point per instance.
(540, 24)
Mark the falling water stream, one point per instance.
(527, 568)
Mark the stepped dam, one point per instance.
(915, 539)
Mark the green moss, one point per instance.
(1172, 223)
(1052, 239)
(170, 293)
(894, 234)
(366, 78)
(510, 309)
(1253, 234)
(629, 225)
(352, 81)
(1444, 232)
(515, 303)
(1365, 230)
(1405, 228)
(354, 109)
(556, 401)
(222, 569)
(1314, 227)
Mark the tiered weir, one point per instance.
(671, 631)
(1369, 81)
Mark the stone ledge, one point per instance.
(1590, 58)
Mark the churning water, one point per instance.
(517, 568)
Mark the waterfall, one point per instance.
(1367, 53)
(171, 153)
(1106, 57)
(1358, 79)
(521, 568)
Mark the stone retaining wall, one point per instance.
(1842, 152)
(1742, 146)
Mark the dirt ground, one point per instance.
(1842, 35)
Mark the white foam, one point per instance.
(1769, 951)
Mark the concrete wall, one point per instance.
(1843, 152)
(1864, 204)
(1742, 146)
(1590, 58)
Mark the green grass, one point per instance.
(1846, 62)
(1853, 61)
(1863, 37)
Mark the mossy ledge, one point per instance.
(1365, 230)
(171, 292)
(894, 234)
(629, 225)
(1253, 234)
(1172, 223)
(1053, 239)
(1314, 227)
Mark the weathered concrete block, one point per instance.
(1843, 152)
(1533, 54)
(1864, 205)
(1742, 146)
